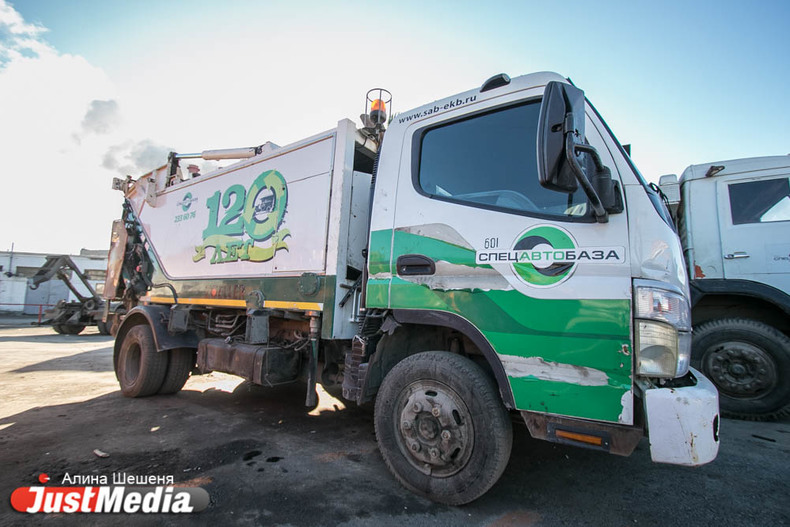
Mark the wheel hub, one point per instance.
(436, 429)
(741, 369)
(132, 365)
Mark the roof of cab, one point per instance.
(736, 166)
(469, 97)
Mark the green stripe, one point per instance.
(379, 254)
(408, 243)
(377, 294)
(586, 333)
(591, 402)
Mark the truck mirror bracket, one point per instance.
(572, 149)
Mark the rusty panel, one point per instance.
(115, 259)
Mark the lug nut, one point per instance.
(415, 447)
(417, 408)
(406, 425)
(434, 452)
(436, 411)
(446, 435)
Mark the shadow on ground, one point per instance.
(94, 360)
(266, 459)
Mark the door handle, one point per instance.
(415, 264)
(736, 256)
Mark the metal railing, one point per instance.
(40, 309)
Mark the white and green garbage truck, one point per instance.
(491, 254)
(733, 218)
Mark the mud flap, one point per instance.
(683, 423)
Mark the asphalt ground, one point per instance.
(265, 459)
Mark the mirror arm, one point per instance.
(594, 153)
(570, 155)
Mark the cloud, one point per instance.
(47, 100)
(19, 39)
(135, 157)
(148, 155)
(102, 117)
(111, 161)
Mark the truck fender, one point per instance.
(712, 286)
(460, 324)
(156, 317)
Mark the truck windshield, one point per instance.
(489, 161)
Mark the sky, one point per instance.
(96, 89)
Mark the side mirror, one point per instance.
(561, 152)
(561, 114)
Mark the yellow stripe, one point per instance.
(306, 306)
(221, 302)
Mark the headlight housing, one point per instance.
(666, 306)
(663, 332)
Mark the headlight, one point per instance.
(658, 304)
(663, 333)
(661, 350)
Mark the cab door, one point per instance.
(755, 228)
(475, 236)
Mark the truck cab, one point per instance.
(733, 219)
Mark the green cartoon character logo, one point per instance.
(249, 230)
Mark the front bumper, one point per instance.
(683, 423)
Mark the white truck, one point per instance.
(488, 254)
(733, 218)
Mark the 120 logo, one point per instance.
(240, 218)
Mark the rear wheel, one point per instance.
(140, 368)
(103, 328)
(749, 362)
(442, 428)
(71, 329)
(179, 365)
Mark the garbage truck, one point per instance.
(71, 317)
(488, 256)
(733, 218)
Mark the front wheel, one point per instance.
(442, 428)
(749, 362)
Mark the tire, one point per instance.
(442, 428)
(140, 368)
(102, 327)
(71, 329)
(57, 328)
(749, 362)
(180, 362)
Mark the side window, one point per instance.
(490, 161)
(760, 201)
